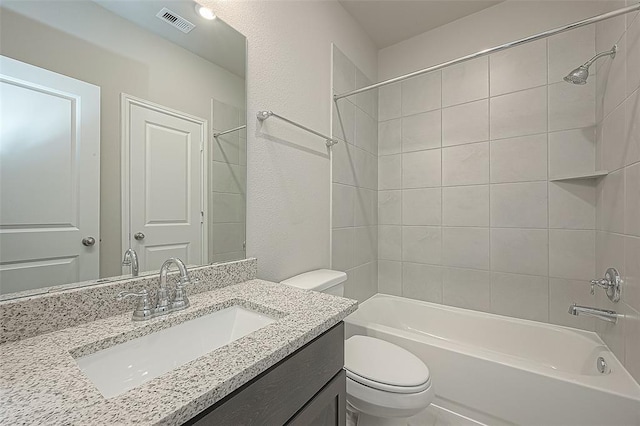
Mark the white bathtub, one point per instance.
(502, 370)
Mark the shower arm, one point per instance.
(611, 53)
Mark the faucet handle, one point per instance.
(143, 309)
(603, 282)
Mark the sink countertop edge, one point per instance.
(40, 381)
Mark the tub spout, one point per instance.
(603, 314)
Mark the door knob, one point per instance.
(88, 241)
(138, 236)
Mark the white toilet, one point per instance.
(386, 384)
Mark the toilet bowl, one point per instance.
(386, 384)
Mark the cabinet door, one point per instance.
(327, 408)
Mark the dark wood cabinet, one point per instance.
(306, 388)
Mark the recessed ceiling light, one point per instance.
(205, 12)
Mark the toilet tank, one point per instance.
(323, 280)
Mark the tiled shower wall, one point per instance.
(354, 181)
(227, 184)
(618, 197)
(468, 213)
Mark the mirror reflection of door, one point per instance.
(49, 178)
(163, 184)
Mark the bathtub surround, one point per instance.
(354, 236)
(618, 193)
(33, 368)
(470, 213)
(468, 216)
(62, 308)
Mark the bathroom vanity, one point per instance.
(288, 371)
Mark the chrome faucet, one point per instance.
(180, 301)
(131, 259)
(164, 304)
(603, 314)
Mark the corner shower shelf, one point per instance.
(591, 175)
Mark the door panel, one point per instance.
(49, 177)
(166, 185)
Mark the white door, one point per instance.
(49, 178)
(165, 181)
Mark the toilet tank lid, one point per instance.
(318, 280)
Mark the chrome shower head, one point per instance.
(580, 74)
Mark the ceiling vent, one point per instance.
(175, 20)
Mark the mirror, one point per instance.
(108, 111)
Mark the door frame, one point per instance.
(126, 102)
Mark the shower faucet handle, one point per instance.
(602, 282)
(611, 283)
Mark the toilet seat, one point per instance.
(381, 365)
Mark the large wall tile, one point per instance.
(521, 296)
(572, 152)
(422, 206)
(519, 205)
(521, 251)
(611, 216)
(390, 242)
(366, 132)
(421, 131)
(631, 294)
(365, 241)
(422, 282)
(343, 205)
(344, 122)
(632, 343)
(572, 106)
(466, 247)
(366, 101)
(465, 164)
(633, 56)
(390, 172)
(390, 277)
(468, 81)
(519, 114)
(390, 137)
(365, 206)
(519, 159)
(572, 254)
(611, 80)
(343, 249)
(465, 123)
(465, 205)
(518, 68)
(632, 126)
(632, 201)
(420, 94)
(344, 163)
(466, 288)
(572, 205)
(390, 207)
(421, 169)
(614, 149)
(422, 244)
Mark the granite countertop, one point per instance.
(40, 382)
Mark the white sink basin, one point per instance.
(125, 366)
